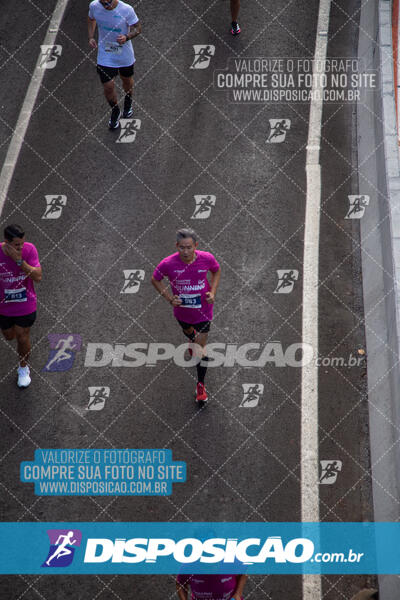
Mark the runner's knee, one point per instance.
(127, 82)
(109, 88)
(9, 334)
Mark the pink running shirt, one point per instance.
(190, 283)
(17, 292)
(210, 587)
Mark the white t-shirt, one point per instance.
(111, 24)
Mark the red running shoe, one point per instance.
(235, 29)
(201, 394)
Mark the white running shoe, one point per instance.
(23, 377)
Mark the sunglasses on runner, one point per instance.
(105, 3)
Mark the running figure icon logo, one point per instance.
(133, 279)
(97, 397)
(202, 56)
(286, 281)
(279, 128)
(49, 56)
(54, 206)
(252, 393)
(203, 207)
(129, 129)
(63, 543)
(329, 471)
(62, 351)
(357, 206)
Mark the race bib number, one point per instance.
(190, 300)
(15, 295)
(113, 47)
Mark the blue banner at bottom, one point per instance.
(171, 548)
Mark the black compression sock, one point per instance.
(128, 101)
(112, 103)
(201, 371)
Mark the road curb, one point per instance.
(379, 177)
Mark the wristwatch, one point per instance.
(19, 263)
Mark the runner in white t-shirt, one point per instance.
(118, 24)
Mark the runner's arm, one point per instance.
(91, 29)
(215, 277)
(240, 586)
(134, 31)
(162, 290)
(35, 273)
(182, 590)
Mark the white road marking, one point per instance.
(21, 127)
(309, 378)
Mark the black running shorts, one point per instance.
(108, 73)
(203, 327)
(22, 321)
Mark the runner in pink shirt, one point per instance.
(19, 268)
(192, 294)
(211, 587)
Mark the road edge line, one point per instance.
(18, 137)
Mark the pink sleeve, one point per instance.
(213, 264)
(33, 257)
(160, 271)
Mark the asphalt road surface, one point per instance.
(123, 203)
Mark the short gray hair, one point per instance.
(185, 233)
